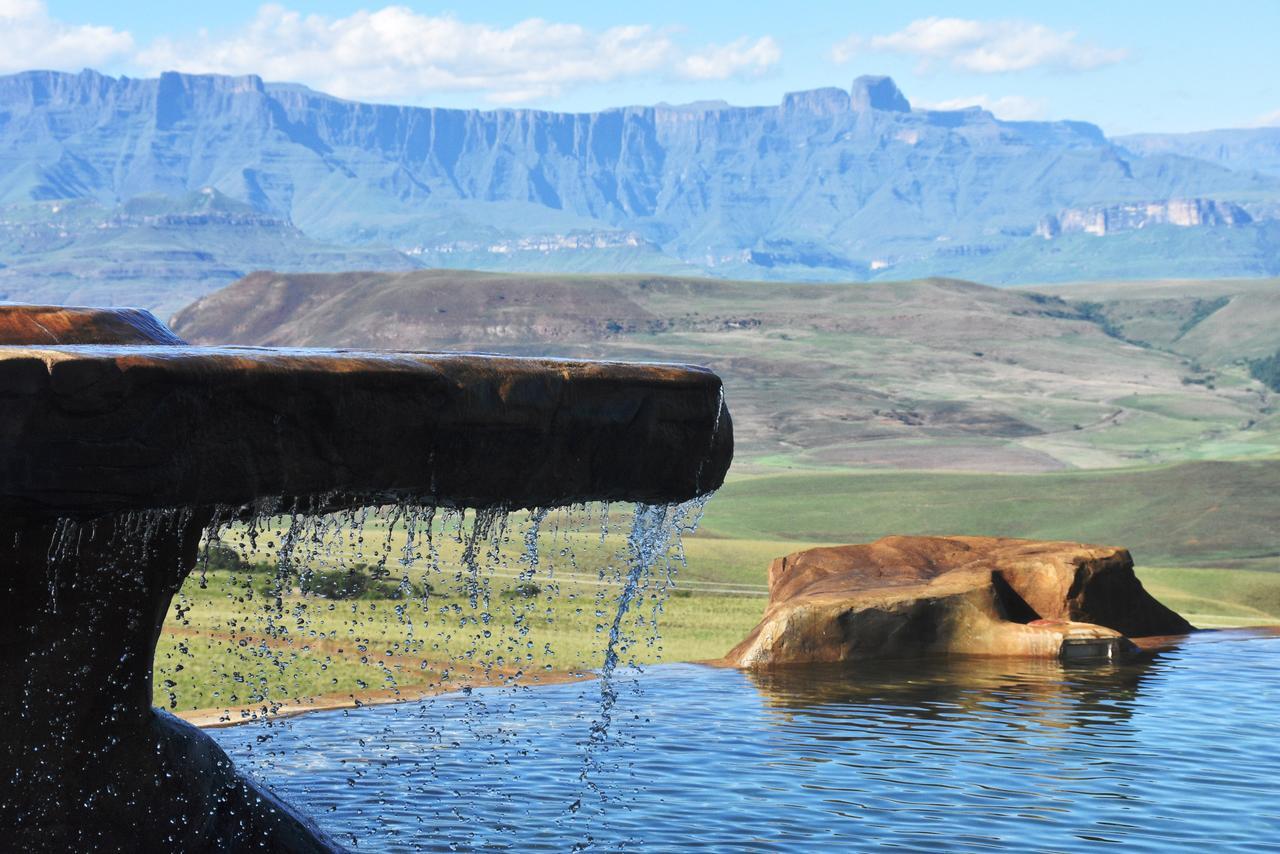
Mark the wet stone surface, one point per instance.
(122, 461)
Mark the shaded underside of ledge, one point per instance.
(87, 430)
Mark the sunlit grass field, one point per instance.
(1196, 514)
(1201, 534)
(241, 639)
(365, 647)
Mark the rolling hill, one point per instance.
(931, 374)
(1214, 323)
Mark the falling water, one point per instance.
(291, 609)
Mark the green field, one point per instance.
(234, 648)
(477, 608)
(1218, 513)
(1116, 413)
(1202, 535)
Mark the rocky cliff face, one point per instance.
(831, 183)
(1109, 219)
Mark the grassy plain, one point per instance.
(235, 649)
(1202, 535)
(1209, 513)
(1120, 413)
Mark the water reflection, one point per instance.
(1043, 691)
(1173, 753)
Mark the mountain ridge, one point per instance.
(829, 184)
(1255, 149)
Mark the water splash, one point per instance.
(292, 609)
(654, 540)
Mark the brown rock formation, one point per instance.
(57, 324)
(907, 596)
(114, 457)
(121, 428)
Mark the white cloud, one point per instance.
(1269, 120)
(395, 52)
(846, 49)
(1011, 107)
(984, 47)
(32, 39)
(743, 57)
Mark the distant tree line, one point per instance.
(1267, 371)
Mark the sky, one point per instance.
(1127, 65)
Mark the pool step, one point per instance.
(1093, 649)
(1082, 641)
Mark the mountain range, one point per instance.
(155, 191)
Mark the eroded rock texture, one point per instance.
(119, 428)
(912, 596)
(114, 457)
(58, 324)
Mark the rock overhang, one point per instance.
(94, 428)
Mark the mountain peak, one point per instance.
(876, 92)
(178, 80)
(828, 101)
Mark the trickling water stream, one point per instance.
(109, 419)
(292, 610)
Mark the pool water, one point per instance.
(1179, 751)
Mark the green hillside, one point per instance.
(1215, 322)
(934, 374)
(1191, 514)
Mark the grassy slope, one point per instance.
(935, 374)
(1216, 322)
(1192, 514)
(930, 375)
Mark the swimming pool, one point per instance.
(1181, 750)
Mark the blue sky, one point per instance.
(1129, 66)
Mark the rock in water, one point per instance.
(909, 596)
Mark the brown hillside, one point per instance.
(934, 373)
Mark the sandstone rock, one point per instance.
(118, 444)
(910, 596)
(88, 430)
(57, 324)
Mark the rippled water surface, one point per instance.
(1178, 752)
